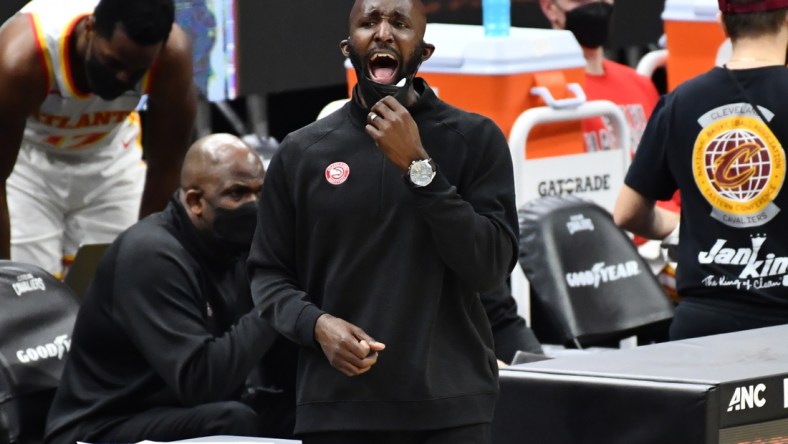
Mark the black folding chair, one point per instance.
(37, 314)
(589, 285)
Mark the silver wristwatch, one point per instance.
(421, 172)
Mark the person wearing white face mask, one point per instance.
(589, 21)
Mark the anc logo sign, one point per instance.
(739, 167)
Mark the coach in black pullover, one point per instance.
(353, 257)
(167, 334)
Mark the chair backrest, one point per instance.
(589, 283)
(80, 273)
(37, 314)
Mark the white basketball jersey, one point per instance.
(71, 121)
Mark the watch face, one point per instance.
(421, 173)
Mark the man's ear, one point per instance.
(193, 201)
(427, 52)
(90, 25)
(343, 46)
(549, 11)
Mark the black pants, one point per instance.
(472, 434)
(693, 320)
(170, 424)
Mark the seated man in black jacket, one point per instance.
(167, 335)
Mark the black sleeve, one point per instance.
(649, 173)
(157, 302)
(272, 260)
(510, 331)
(474, 230)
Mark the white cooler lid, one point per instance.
(691, 10)
(463, 49)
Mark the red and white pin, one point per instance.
(337, 173)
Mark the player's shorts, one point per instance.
(58, 202)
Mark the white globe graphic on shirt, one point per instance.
(738, 164)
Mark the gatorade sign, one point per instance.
(596, 176)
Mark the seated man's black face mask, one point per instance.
(234, 228)
(372, 91)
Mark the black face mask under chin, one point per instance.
(372, 91)
(590, 23)
(235, 228)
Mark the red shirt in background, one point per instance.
(622, 85)
(636, 96)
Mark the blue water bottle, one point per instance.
(496, 16)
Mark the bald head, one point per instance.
(221, 173)
(214, 156)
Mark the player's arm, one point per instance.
(172, 104)
(24, 82)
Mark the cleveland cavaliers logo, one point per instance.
(739, 167)
(337, 173)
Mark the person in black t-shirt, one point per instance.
(718, 139)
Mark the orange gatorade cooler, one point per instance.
(694, 37)
(494, 77)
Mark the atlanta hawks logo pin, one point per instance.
(337, 173)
